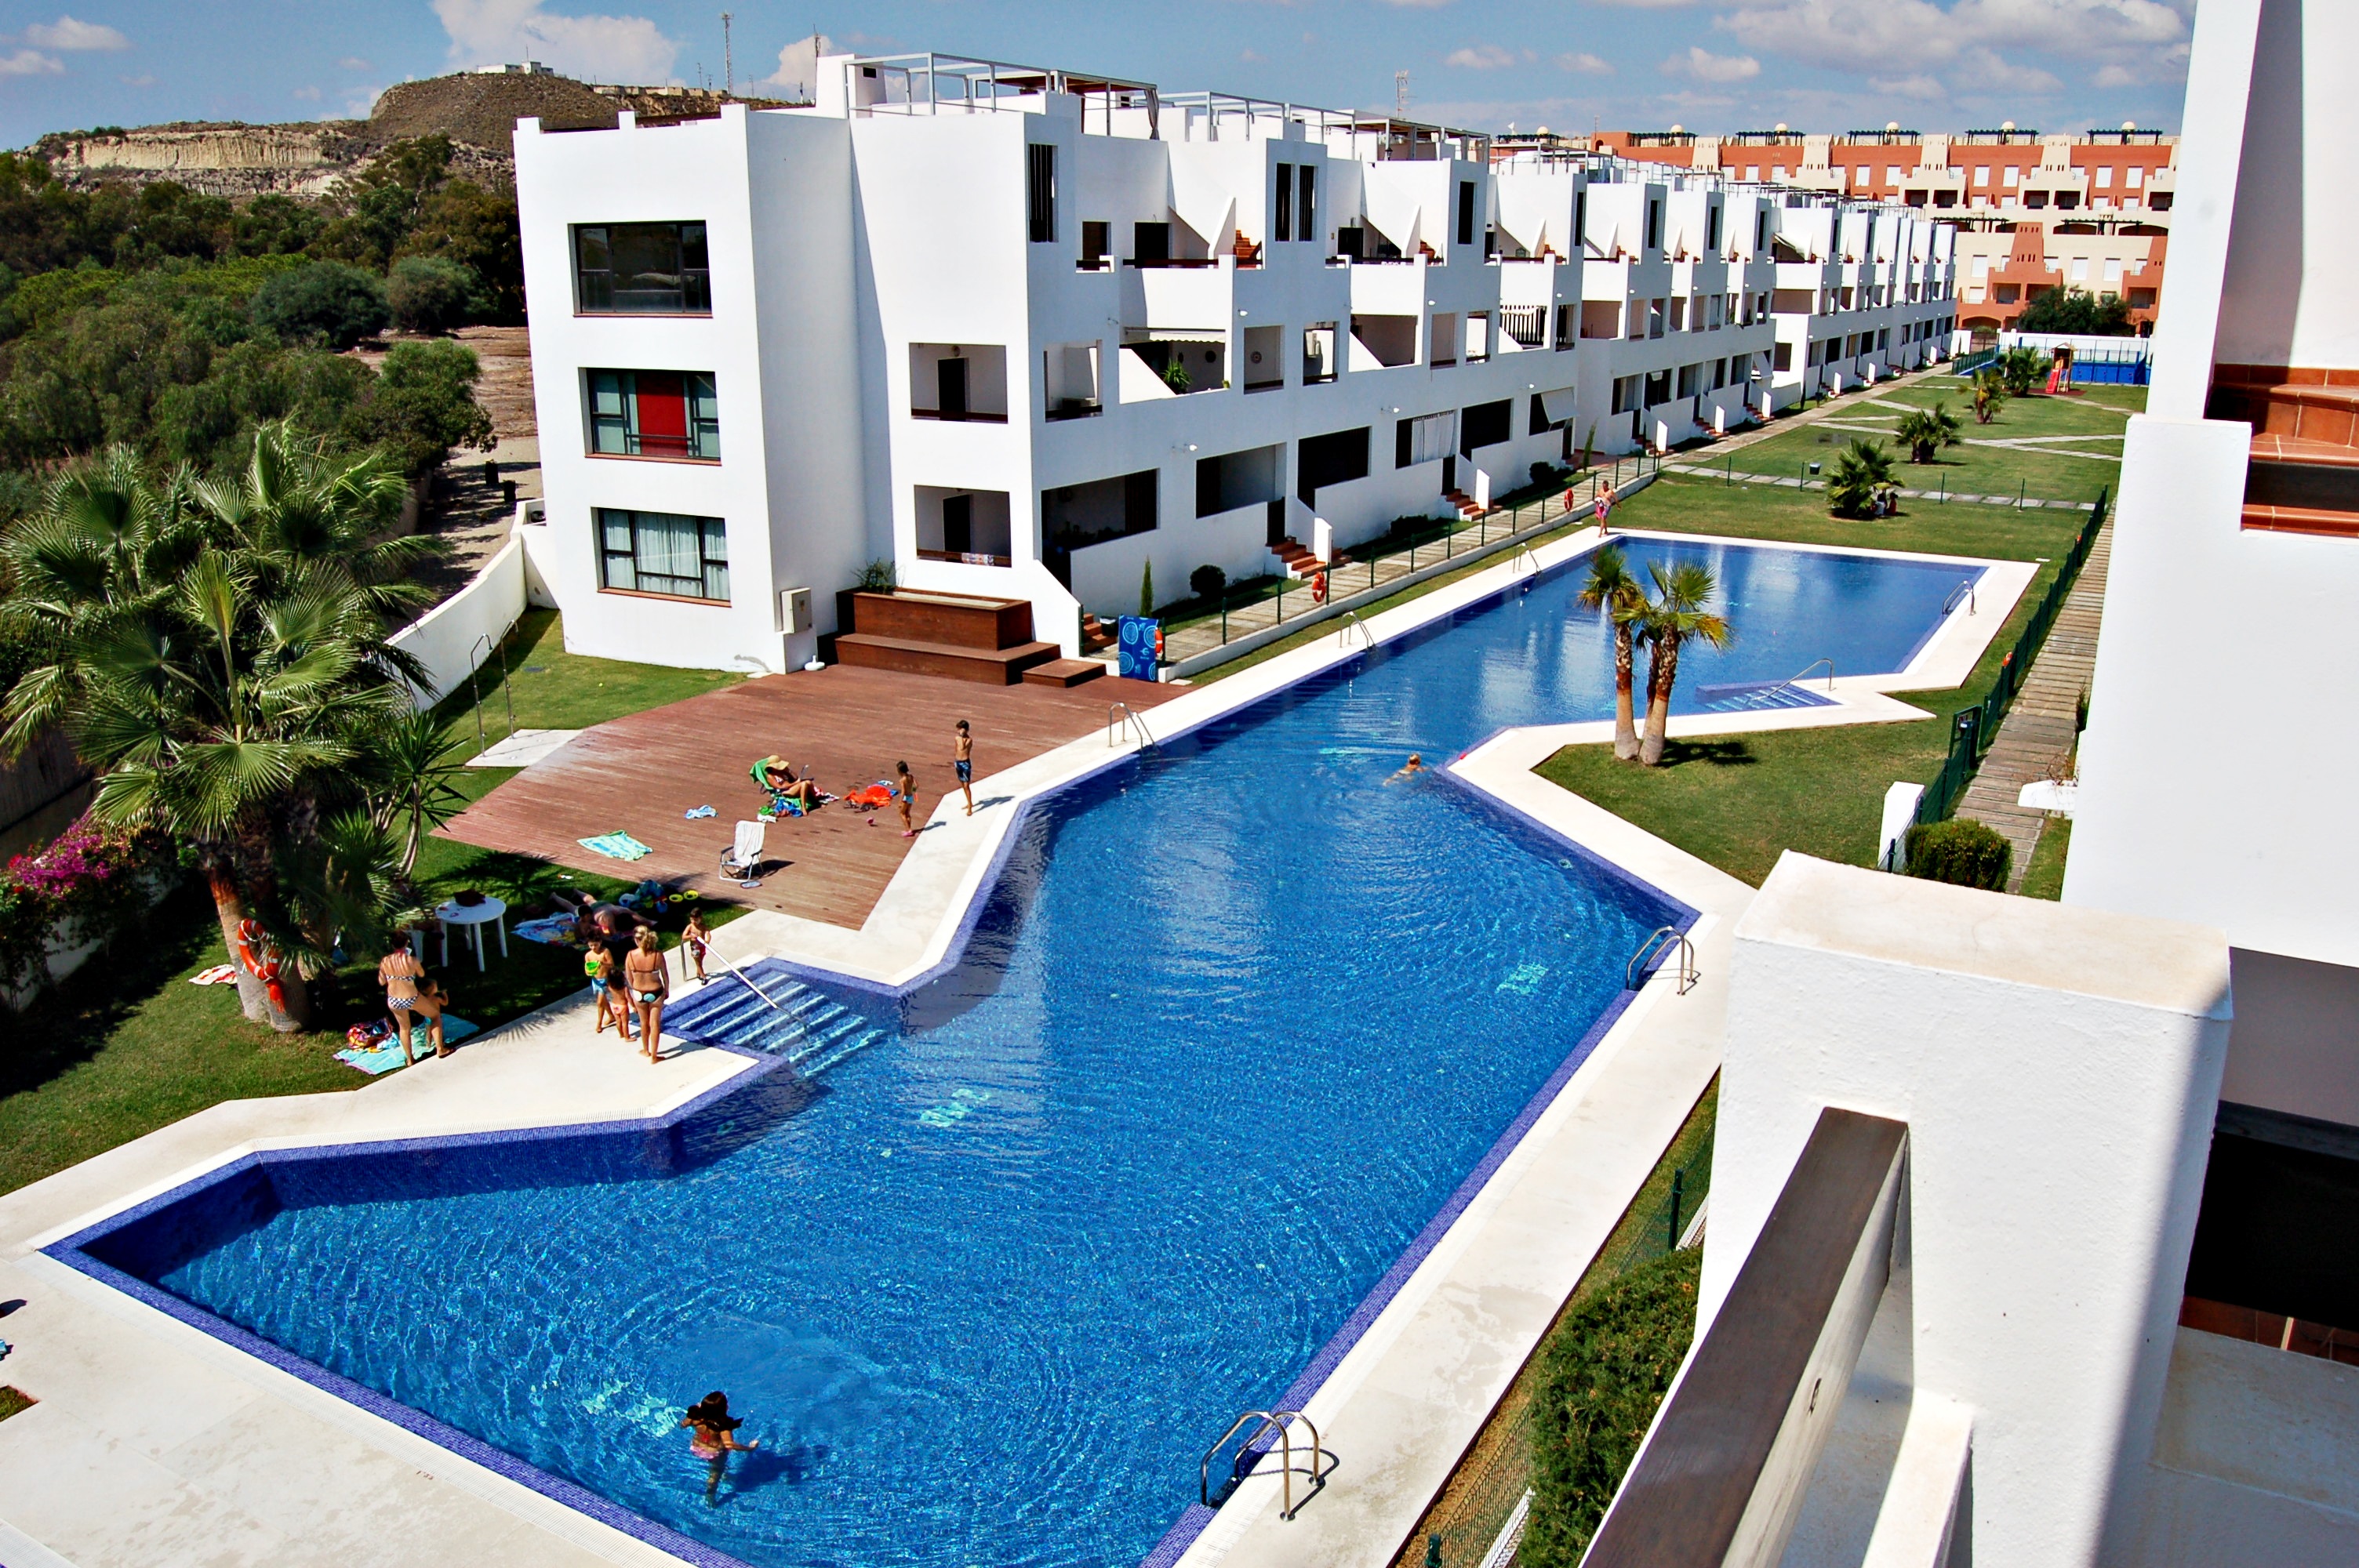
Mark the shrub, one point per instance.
(1860, 470)
(1206, 581)
(1960, 851)
(876, 577)
(429, 294)
(1146, 588)
(85, 887)
(424, 405)
(326, 302)
(1603, 1374)
(2022, 370)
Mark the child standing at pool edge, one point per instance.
(907, 795)
(696, 936)
(962, 760)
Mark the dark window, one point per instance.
(1658, 389)
(1465, 212)
(2158, 201)
(1097, 240)
(651, 269)
(957, 525)
(1401, 432)
(1139, 501)
(1486, 424)
(1712, 228)
(654, 414)
(1306, 211)
(1041, 190)
(1234, 479)
(1347, 240)
(659, 552)
(1539, 416)
(1283, 188)
(1151, 244)
(1579, 220)
(1333, 459)
(950, 388)
(1654, 225)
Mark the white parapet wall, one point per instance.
(459, 632)
(2058, 1070)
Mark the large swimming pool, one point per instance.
(1238, 1021)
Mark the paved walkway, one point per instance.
(2035, 738)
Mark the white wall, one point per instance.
(2058, 1070)
(466, 629)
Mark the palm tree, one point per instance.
(1861, 472)
(1990, 392)
(412, 774)
(1612, 590)
(2021, 369)
(1926, 431)
(296, 504)
(1677, 613)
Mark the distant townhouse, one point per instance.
(1030, 334)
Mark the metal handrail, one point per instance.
(1664, 937)
(1282, 1421)
(1114, 725)
(476, 691)
(742, 975)
(1524, 553)
(1814, 664)
(1965, 586)
(1352, 617)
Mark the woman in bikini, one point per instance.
(715, 1437)
(399, 972)
(647, 981)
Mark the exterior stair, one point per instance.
(2303, 476)
(1467, 508)
(810, 1030)
(1096, 635)
(1297, 561)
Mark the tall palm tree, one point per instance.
(1677, 613)
(296, 504)
(1612, 590)
(1926, 431)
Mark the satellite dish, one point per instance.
(2007, 125)
(1892, 124)
(1781, 127)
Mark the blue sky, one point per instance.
(1709, 65)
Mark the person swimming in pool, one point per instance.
(714, 1436)
(1410, 769)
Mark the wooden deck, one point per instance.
(640, 774)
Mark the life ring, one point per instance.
(1158, 643)
(1318, 587)
(261, 961)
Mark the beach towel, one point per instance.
(219, 974)
(556, 930)
(875, 795)
(617, 846)
(700, 811)
(387, 1056)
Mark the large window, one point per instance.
(654, 414)
(1424, 440)
(1487, 425)
(661, 552)
(1041, 190)
(642, 269)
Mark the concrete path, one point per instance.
(2036, 737)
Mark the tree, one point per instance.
(1860, 473)
(423, 407)
(414, 772)
(1990, 394)
(1208, 582)
(1926, 431)
(326, 302)
(2021, 370)
(2076, 312)
(475, 228)
(1675, 615)
(430, 295)
(1611, 588)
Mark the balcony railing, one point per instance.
(966, 557)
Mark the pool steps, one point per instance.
(1747, 697)
(812, 1032)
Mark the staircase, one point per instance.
(1297, 561)
(812, 1032)
(1758, 697)
(1467, 507)
(956, 636)
(2304, 473)
(1096, 635)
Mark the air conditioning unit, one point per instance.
(794, 610)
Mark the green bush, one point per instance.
(1206, 581)
(326, 302)
(1605, 1372)
(424, 405)
(429, 294)
(1960, 851)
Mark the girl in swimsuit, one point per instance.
(715, 1437)
(399, 972)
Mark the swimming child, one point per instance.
(714, 1436)
(695, 937)
(963, 758)
(1415, 765)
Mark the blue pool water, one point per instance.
(1233, 1026)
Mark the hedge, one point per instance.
(1962, 851)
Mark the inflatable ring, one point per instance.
(1318, 587)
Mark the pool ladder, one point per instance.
(1666, 939)
(1119, 718)
(1264, 1423)
(1965, 590)
(1352, 623)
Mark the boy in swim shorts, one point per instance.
(962, 760)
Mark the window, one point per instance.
(642, 269)
(1982, 174)
(659, 552)
(1657, 389)
(1488, 425)
(1097, 243)
(2105, 175)
(1335, 458)
(1465, 212)
(1785, 357)
(1761, 231)
(1424, 440)
(1579, 219)
(2134, 176)
(1626, 394)
(1041, 190)
(1654, 225)
(1282, 225)
(1712, 228)
(2011, 172)
(1752, 172)
(654, 414)
(1892, 175)
(1306, 211)
(1151, 244)
(1235, 480)
(1317, 353)
(1863, 176)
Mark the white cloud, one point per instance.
(612, 48)
(26, 62)
(352, 62)
(65, 33)
(1917, 35)
(357, 103)
(308, 94)
(1585, 64)
(1917, 86)
(1704, 66)
(140, 81)
(1645, 4)
(1480, 56)
(1417, 5)
(798, 65)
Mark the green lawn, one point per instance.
(1738, 801)
(1974, 469)
(2044, 877)
(125, 1045)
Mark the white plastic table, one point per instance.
(475, 917)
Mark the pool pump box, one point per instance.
(794, 610)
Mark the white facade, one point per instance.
(1369, 315)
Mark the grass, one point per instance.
(125, 1045)
(14, 1401)
(2044, 877)
(1739, 800)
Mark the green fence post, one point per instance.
(1224, 616)
(1679, 1190)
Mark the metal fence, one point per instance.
(1974, 730)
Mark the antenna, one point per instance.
(1400, 93)
(728, 59)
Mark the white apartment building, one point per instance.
(1032, 335)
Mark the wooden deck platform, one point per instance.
(640, 774)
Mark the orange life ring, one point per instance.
(1318, 587)
(254, 952)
